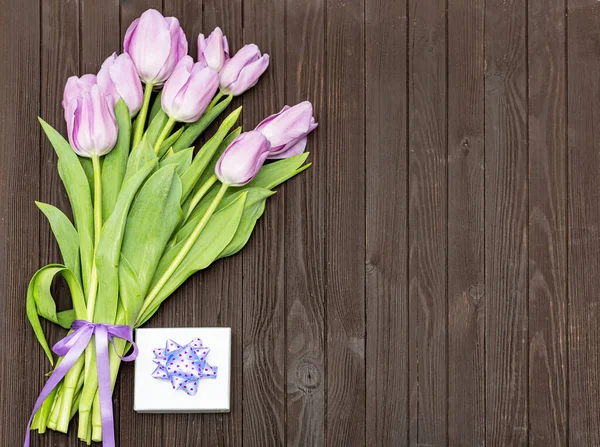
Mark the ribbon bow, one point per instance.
(183, 365)
(70, 348)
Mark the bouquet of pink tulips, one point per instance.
(148, 210)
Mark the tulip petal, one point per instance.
(149, 45)
(295, 149)
(249, 75)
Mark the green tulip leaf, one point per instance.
(273, 174)
(156, 106)
(183, 159)
(153, 217)
(41, 304)
(194, 130)
(156, 126)
(129, 291)
(76, 183)
(108, 251)
(88, 168)
(210, 169)
(140, 156)
(217, 234)
(168, 143)
(244, 231)
(254, 195)
(65, 234)
(206, 154)
(114, 163)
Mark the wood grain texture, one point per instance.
(305, 232)
(59, 60)
(430, 281)
(221, 290)
(466, 234)
(547, 224)
(427, 223)
(345, 223)
(264, 264)
(506, 217)
(386, 290)
(19, 221)
(583, 216)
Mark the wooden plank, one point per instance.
(583, 94)
(345, 223)
(506, 209)
(386, 222)
(304, 232)
(263, 338)
(427, 223)
(466, 234)
(221, 287)
(59, 60)
(547, 224)
(23, 360)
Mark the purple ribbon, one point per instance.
(70, 348)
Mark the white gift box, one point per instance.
(152, 395)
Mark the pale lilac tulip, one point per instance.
(287, 130)
(242, 159)
(243, 70)
(75, 87)
(119, 79)
(155, 44)
(214, 51)
(189, 90)
(91, 123)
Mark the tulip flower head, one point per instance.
(189, 90)
(242, 159)
(91, 123)
(243, 70)
(213, 51)
(75, 87)
(155, 44)
(287, 130)
(119, 79)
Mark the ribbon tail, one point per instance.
(104, 388)
(61, 371)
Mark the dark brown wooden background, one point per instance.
(432, 280)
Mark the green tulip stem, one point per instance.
(200, 194)
(93, 289)
(140, 122)
(164, 134)
(189, 243)
(215, 100)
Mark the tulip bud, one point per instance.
(91, 123)
(189, 90)
(75, 87)
(242, 159)
(243, 70)
(155, 44)
(118, 78)
(287, 130)
(214, 51)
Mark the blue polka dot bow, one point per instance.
(184, 366)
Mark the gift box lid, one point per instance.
(159, 368)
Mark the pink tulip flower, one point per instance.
(155, 44)
(213, 51)
(287, 130)
(243, 70)
(119, 79)
(189, 90)
(242, 159)
(91, 124)
(75, 87)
